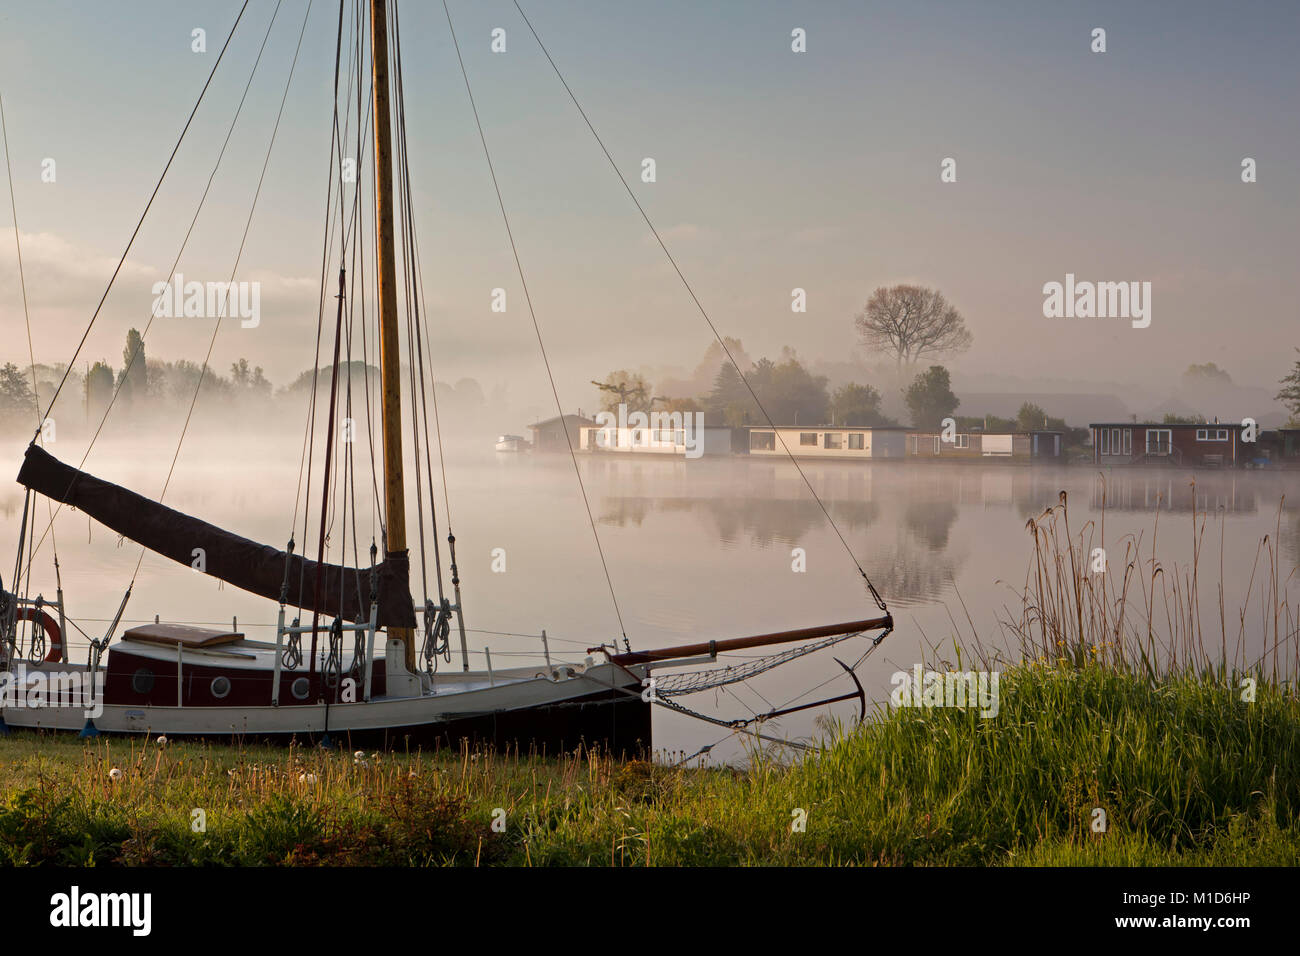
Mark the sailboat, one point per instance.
(360, 679)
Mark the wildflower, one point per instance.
(161, 741)
(115, 774)
(307, 778)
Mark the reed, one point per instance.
(1090, 600)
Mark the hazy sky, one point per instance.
(775, 170)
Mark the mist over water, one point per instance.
(696, 549)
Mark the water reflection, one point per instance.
(696, 550)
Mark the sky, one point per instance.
(775, 170)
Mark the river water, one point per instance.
(696, 550)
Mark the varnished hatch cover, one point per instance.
(183, 634)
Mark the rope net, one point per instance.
(675, 685)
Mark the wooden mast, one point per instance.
(389, 349)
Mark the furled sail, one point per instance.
(259, 568)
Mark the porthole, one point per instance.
(142, 681)
(301, 688)
(220, 686)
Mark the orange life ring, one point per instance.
(51, 628)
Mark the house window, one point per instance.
(1159, 441)
(1211, 434)
(856, 441)
(1128, 441)
(834, 440)
(808, 438)
(961, 441)
(1103, 435)
(762, 441)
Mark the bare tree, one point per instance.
(912, 322)
(623, 387)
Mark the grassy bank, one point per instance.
(1185, 771)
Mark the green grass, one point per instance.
(1185, 771)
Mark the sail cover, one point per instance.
(259, 568)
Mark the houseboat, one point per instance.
(1207, 445)
(829, 441)
(983, 446)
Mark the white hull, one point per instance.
(456, 696)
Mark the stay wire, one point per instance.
(234, 270)
(198, 210)
(536, 327)
(120, 262)
(673, 262)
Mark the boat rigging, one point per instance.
(181, 679)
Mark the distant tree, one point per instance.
(791, 395)
(680, 405)
(789, 392)
(1172, 419)
(249, 381)
(910, 323)
(985, 423)
(1206, 374)
(99, 387)
(17, 403)
(357, 370)
(729, 401)
(624, 388)
(1030, 418)
(1290, 393)
(469, 393)
(857, 405)
(714, 359)
(929, 398)
(133, 380)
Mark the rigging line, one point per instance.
(363, 130)
(414, 281)
(72, 363)
(408, 286)
(349, 463)
(27, 318)
(117, 390)
(309, 433)
(875, 642)
(536, 327)
(691, 291)
(234, 269)
(421, 336)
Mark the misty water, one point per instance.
(696, 550)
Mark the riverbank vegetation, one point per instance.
(1126, 734)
